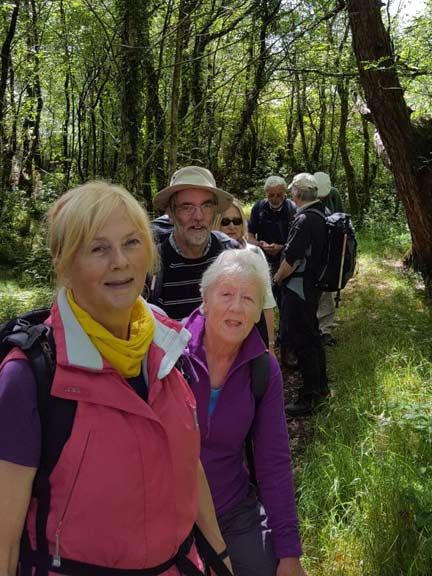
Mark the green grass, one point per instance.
(365, 491)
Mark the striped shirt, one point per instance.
(180, 291)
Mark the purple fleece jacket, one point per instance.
(224, 432)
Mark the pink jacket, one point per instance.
(124, 491)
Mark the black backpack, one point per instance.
(341, 253)
(29, 333)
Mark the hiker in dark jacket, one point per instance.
(128, 486)
(192, 201)
(221, 354)
(298, 273)
(270, 221)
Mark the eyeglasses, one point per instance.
(235, 221)
(206, 208)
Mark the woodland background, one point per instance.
(129, 90)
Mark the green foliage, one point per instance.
(36, 266)
(365, 492)
(385, 220)
(14, 299)
(22, 236)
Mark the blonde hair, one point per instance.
(77, 215)
(237, 204)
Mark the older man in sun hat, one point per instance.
(191, 201)
(303, 259)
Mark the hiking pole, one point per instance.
(344, 243)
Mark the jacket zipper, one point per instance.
(56, 559)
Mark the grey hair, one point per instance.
(273, 181)
(304, 186)
(237, 263)
(305, 194)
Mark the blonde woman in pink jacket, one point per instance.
(127, 486)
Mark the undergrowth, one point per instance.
(365, 491)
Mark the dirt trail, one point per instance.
(301, 428)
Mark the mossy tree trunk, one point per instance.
(384, 96)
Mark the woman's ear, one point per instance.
(65, 280)
(62, 278)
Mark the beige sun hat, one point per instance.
(324, 184)
(304, 181)
(195, 177)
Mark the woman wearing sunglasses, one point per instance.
(233, 222)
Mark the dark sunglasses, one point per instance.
(235, 221)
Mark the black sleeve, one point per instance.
(253, 222)
(298, 240)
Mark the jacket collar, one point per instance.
(77, 349)
(315, 204)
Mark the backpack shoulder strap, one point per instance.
(292, 210)
(261, 204)
(315, 211)
(56, 417)
(260, 373)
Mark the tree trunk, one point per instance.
(301, 105)
(5, 155)
(342, 88)
(316, 156)
(183, 27)
(154, 149)
(131, 82)
(291, 133)
(67, 156)
(267, 13)
(384, 96)
(31, 124)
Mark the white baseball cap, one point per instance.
(324, 184)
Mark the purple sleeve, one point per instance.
(273, 467)
(20, 433)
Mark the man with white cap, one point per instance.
(327, 193)
(326, 312)
(191, 201)
(303, 259)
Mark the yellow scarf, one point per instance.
(125, 355)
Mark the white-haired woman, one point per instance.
(233, 222)
(262, 541)
(127, 485)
